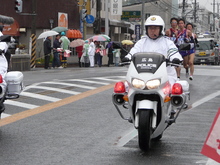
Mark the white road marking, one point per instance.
(69, 84)
(105, 79)
(88, 81)
(212, 162)
(4, 115)
(205, 99)
(20, 104)
(127, 137)
(39, 96)
(54, 89)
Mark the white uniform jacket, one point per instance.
(91, 50)
(161, 45)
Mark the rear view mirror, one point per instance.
(5, 38)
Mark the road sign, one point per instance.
(211, 146)
(90, 19)
(126, 15)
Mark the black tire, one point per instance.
(144, 130)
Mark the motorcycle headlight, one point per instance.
(153, 84)
(138, 83)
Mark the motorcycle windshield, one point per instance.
(147, 62)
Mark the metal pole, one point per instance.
(214, 15)
(195, 11)
(142, 17)
(84, 22)
(33, 35)
(106, 17)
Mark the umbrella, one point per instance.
(59, 29)
(106, 36)
(47, 34)
(100, 38)
(127, 42)
(76, 43)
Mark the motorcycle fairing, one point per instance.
(147, 62)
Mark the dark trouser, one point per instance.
(110, 59)
(80, 65)
(56, 60)
(64, 61)
(99, 60)
(8, 58)
(46, 61)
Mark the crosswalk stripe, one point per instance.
(88, 81)
(20, 104)
(105, 79)
(69, 84)
(39, 96)
(54, 89)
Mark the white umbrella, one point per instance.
(47, 34)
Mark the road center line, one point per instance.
(44, 108)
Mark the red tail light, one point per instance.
(1, 79)
(119, 87)
(167, 88)
(177, 89)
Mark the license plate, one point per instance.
(202, 60)
(202, 53)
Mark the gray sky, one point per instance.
(208, 4)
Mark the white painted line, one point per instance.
(105, 79)
(4, 115)
(39, 96)
(88, 81)
(126, 138)
(69, 84)
(19, 104)
(205, 99)
(54, 89)
(212, 162)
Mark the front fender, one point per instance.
(148, 106)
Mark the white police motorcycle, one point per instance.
(11, 83)
(148, 97)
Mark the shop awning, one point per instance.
(6, 20)
(119, 23)
(72, 33)
(12, 29)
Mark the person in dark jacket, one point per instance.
(110, 54)
(56, 58)
(47, 52)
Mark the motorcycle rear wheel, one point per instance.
(144, 129)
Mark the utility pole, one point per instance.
(33, 35)
(84, 21)
(183, 10)
(106, 17)
(142, 17)
(195, 8)
(98, 17)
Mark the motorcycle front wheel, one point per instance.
(144, 129)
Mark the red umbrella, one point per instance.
(76, 43)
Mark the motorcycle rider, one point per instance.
(155, 41)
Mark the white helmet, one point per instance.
(155, 20)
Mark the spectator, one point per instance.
(65, 46)
(85, 55)
(91, 53)
(110, 53)
(47, 52)
(79, 50)
(56, 58)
